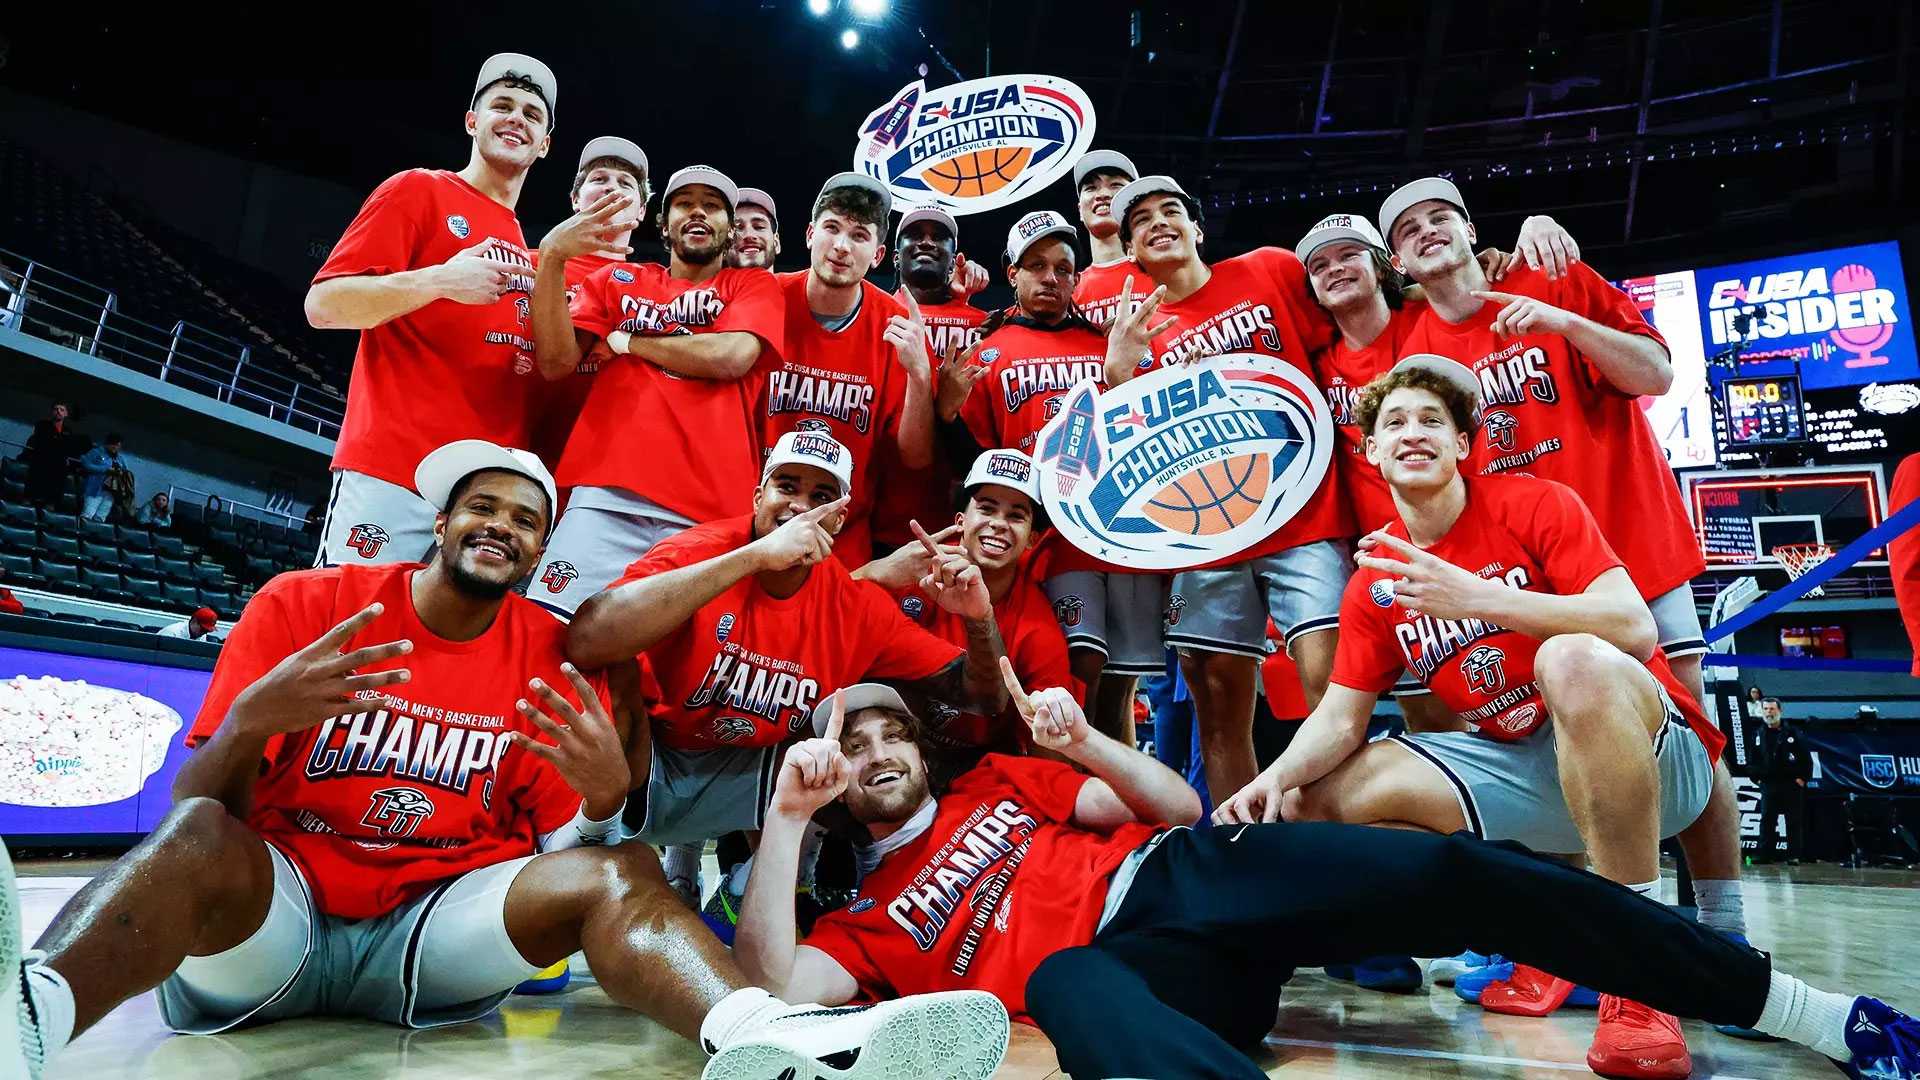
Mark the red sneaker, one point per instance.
(1638, 1043)
(1527, 992)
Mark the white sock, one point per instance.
(734, 1015)
(1813, 1018)
(737, 877)
(1648, 889)
(683, 861)
(52, 1005)
(1721, 905)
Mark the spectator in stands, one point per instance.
(215, 507)
(1756, 703)
(49, 451)
(12, 299)
(98, 464)
(200, 626)
(158, 513)
(9, 603)
(1783, 767)
(316, 514)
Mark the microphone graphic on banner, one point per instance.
(1859, 340)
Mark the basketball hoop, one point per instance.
(1800, 558)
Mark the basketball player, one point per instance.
(1502, 596)
(669, 425)
(1097, 177)
(1030, 359)
(856, 366)
(1903, 553)
(1259, 302)
(608, 165)
(399, 818)
(1148, 950)
(994, 530)
(435, 275)
(1562, 364)
(926, 253)
(756, 235)
(748, 620)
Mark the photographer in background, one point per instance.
(1782, 765)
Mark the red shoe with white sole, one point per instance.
(1527, 992)
(1638, 1043)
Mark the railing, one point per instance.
(228, 506)
(55, 306)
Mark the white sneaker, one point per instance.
(21, 1053)
(956, 1035)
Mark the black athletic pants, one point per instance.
(1191, 967)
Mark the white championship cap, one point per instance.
(1406, 196)
(1007, 468)
(927, 213)
(1032, 229)
(866, 695)
(440, 472)
(753, 196)
(1334, 228)
(700, 174)
(521, 66)
(1103, 161)
(1140, 189)
(815, 448)
(1453, 371)
(864, 182)
(613, 146)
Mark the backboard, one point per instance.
(1741, 515)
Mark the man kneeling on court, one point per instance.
(1500, 594)
(394, 811)
(1145, 950)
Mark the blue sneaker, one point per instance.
(1343, 972)
(1735, 1030)
(1468, 985)
(1388, 974)
(1444, 969)
(1885, 1042)
(551, 980)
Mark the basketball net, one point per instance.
(1800, 558)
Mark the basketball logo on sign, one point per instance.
(975, 145)
(1185, 465)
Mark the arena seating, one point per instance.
(159, 275)
(193, 564)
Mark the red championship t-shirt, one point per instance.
(1528, 533)
(561, 399)
(1260, 303)
(1031, 367)
(847, 383)
(447, 370)
(1001, 880)
(749, 667)
(377, 808)
(923, 495)
(1343, 372)
(1097, 294)
(1903, 553)
(688, 444)
(1034, 643)
(1549, 411)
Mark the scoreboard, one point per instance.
(1764, 410)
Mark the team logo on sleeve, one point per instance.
(397, 811)
(725, 628)
(368, 539)
(913, 606)
(865, 903)
(623, 275)
(1066, 610)
(1185, 465)
(975, 145)
(458, 226)
(1485, 670)
(559, 575)
(1381, 592)
(1500, 427)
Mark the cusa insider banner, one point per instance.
(1842, 313)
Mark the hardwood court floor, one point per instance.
(1858, 930)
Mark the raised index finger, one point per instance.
(1014, 690)
(1496, 295)
(336, 639)
(824, 509)
(913, 306)
(926, 541)
(837, 719)
(1397, 544)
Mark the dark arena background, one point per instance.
(183, 421)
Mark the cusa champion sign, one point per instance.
(1184, 465)
(975, 145)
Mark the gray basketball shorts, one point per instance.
(695, 795)
(1226, 609)
(370, 522)
(590, 549)
(1118, 615)
(441, 958)
(1511, 790)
